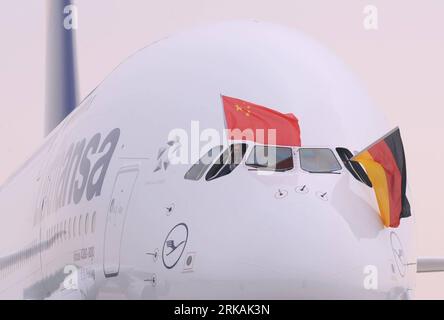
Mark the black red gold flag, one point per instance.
(385, 164)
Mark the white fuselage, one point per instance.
(101, 198)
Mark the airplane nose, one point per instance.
(295, 246)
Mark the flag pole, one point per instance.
(225, 130)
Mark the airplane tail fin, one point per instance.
(61, 70)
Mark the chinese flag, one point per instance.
(384, 162)
(258, 123)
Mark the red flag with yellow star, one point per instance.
(249, 121)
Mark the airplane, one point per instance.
(107, 209)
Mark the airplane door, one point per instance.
(116, 216)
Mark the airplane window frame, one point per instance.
(93, 222)
(69, 228)
(264, 168)
(335, 171)
(188, 174)
(86, 224)
(221, 167)
(80, 226)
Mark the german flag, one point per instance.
(384, 162)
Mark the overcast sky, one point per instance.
(400, 64)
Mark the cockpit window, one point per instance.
(318, 160)
(271, 158)
(227, 162)
(354, 167)
(198, 169)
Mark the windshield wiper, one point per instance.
(331, 172)
(265, 167)
(256, 165)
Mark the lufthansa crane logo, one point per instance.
(174, 245)
(398, 253)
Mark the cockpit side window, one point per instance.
(227, 162)
(354, 167)
(198, 169)
(271, 158)
(318, 160)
